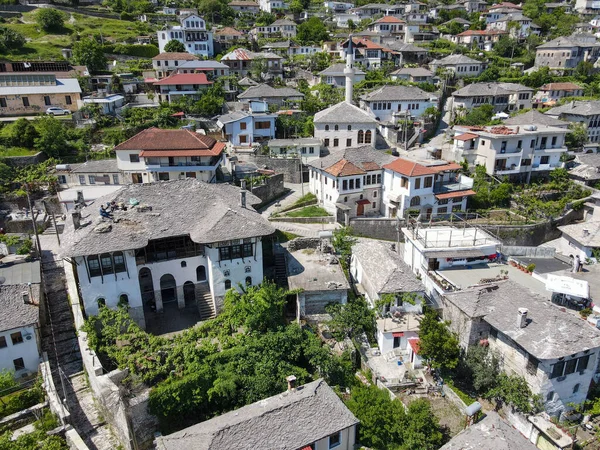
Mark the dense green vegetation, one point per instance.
(437, 344)
(240, 357)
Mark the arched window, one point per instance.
(227, 285)
(361, 137)
(576, 388)
(123, 300)
(101, 302)
(326, 127)
(248, 281)
(415, 201)
(200, 273)
(336, 128)
(349, 127)
(94, 266)
(368, 137)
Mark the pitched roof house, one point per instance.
(311, 416)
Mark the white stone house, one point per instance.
(517, 151)
(552, 92)
(460, 65)
(432, 187)
(20, 334)
(271, 5)
(284, 28)
(520, 325)
(192, 33)
(161, 155)
(502, 96)
(178, 85)
(244, 128)
(181, 246)
(344, 125)
(391, 103)
(164, 64)
(586, 112)
(347, 183)
(582, 239)
(334, 75)
(308, 149)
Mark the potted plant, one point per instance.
(530, 268)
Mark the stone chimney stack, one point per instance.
(243, 184)
(349, 71)
(80, 200)
(291, 381)
(76, 216)
(243, 198)
(522, 318)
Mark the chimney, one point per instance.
(586, 232)
(76, 216)
(291, 380)
(243, 184)
(79, 200)
(522, 318)
(242, 198)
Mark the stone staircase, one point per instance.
(205, 302)
(280, 269)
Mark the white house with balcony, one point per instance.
(521, 326)
(164, 64)
(192, 33)
(176, 245)
(308, 149)
(502, 96)
(460, 65)
(161, 155)
(178, 85)
(244, 128)
(427, 187)
(348, 182)
(517, 151)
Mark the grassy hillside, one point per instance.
(42, 45)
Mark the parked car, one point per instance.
(57, 111)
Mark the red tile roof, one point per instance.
(344, 168)
(455, 194)
(560, 87)
(414, 169)
(184, 78)
(228, 31)
(370, 45)
(364, 201)
(481, 32)
(215, 151)
(169, 140)
(415, 345)
(175, 56)
(389, 19)
(465, 137)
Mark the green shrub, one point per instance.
(142, 51)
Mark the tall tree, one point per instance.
(50, 19)
(352, 319)
(10, 39)
(312, 31)
(89, 52)
(438, 345)
(52, 136)
(22, 133)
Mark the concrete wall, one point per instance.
(21, 161)
(14, 103)
(376, 228)
(290, 168)
(529, 252)
(346, 442)
(271, 189)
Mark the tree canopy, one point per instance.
(174, 46)
(89, 52)
(312, 31)
(438, 345)
(50, 19)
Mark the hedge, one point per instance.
(142, 51)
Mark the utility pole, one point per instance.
(37, 238)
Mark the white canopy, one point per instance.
(567, 285)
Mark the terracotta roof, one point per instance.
(455, 194)
(560, 87)
(481, 32)
(344, 168)
(184, 78)
(364, 201)
(370, 45)
(504, 5)
(216, 150)
(228, 31)
(175, 56)
(414, 344)
(465, 137)
(414, 169)
(370, 165)
(157, 139)
(389, 19)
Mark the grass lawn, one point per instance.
(309, 211)
(305, 199)
(42, 45)
(284, 236)
(16, 151)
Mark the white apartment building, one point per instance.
(244, 128)
(192, 33)
(586, 112)
(164, 64)
(179, 245)
(502, 96)
(283, 28)
(429, 187)
(348, 182)
(308, 149)
(161, 155)
(516, 151)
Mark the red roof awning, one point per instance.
(414, 344)
(363, 202)
(398, 334)
(455, 194)
(465, 137)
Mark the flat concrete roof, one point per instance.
(15, 270)
(449, 237)
(312, 270)
(544, 265)
(408, 322)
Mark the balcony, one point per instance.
(551, 149)
(545, 166)
(461, 184)
(513, 168)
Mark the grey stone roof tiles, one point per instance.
(396, 93)
(287, 421)
(206, 212)
(455, 59)
(344, 112)
(98, 166)
(338, 69)
(266, 91)
(578, 108)
(534, 117)
(490, 89)
(15, 313)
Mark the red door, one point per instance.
(360, 209)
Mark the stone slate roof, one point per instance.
(384, 268)
(578, 108)
(288, 421)
(97, 166)
(359, 159)
(451, 60)
(396, 93)
(266, 91)
(491, 433)
(575, 40)
(206, 212)
(344, 112)
(407, 48)
(413, 71)
(534, 117)
(15, 313)
(550, 333)
(247, 82)
(280, 22)
(478, 89)
(586, 233)
(338, 70)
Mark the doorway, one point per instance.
(360, 209)
(136, 178)
(146, 286)
(168, 289)
(189, 294)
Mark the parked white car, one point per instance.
(57, 111)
